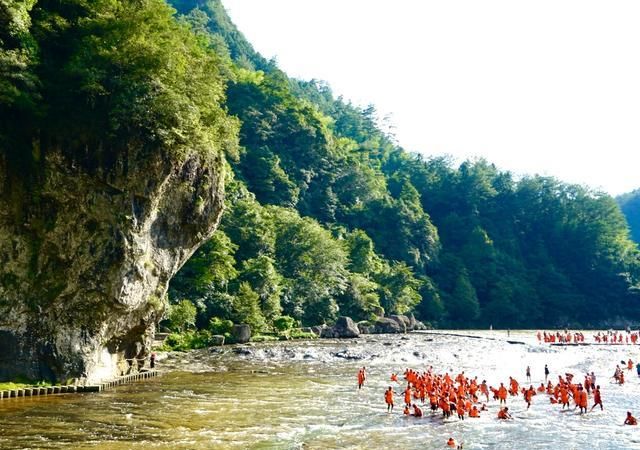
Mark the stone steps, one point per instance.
(72, 389)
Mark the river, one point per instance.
(303, 395)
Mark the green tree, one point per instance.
(211, 267)
(260, 273)
(182, 316)
(247, 308)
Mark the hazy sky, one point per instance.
(548, 87)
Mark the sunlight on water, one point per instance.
(302, 396)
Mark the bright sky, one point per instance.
(547, 86)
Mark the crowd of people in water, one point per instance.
(577, 337)
(463, 396)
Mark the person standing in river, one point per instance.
(362, 376)
(529, 374)
(388, 399)
(546, 372)
(597, 399)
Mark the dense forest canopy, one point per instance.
(630, 205)
(325, 214)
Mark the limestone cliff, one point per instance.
(86, 255)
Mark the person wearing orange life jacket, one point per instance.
(582, 400)
(503, 414)
(484, 389)
(630, 420)
(433, 401)
(514, 386)
(394, 377)
(417, 412)
(446, 407)
(597, 400)
(460, 408)
(474, 412)
(564, 397)
(406, 411)
(407, 395)
(388, 398)
(528, 395)
(362, 376)
(502, 393)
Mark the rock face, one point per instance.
(87, 251)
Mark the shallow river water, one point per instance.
(303, 395)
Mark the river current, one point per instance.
(303, 395)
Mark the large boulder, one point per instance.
(419, 326)
(345, 327)
(365, 327)
(241, 333)
(403, 321)
(319, 330)
(216, 340)
(388, 325)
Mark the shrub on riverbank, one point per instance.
(20, 383)
(188, 340)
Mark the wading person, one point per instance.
(546, 372)
(388, 399)
(597, 400)
(362, 376)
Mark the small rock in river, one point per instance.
(346, 354)
(241, 351)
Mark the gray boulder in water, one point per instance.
(317, 329)
(241, 333)
(345, 327)
(217, 340)
(388, 325)
(365, 327)
(403, 321)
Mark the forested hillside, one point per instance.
(630, 206)
(326, 215)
